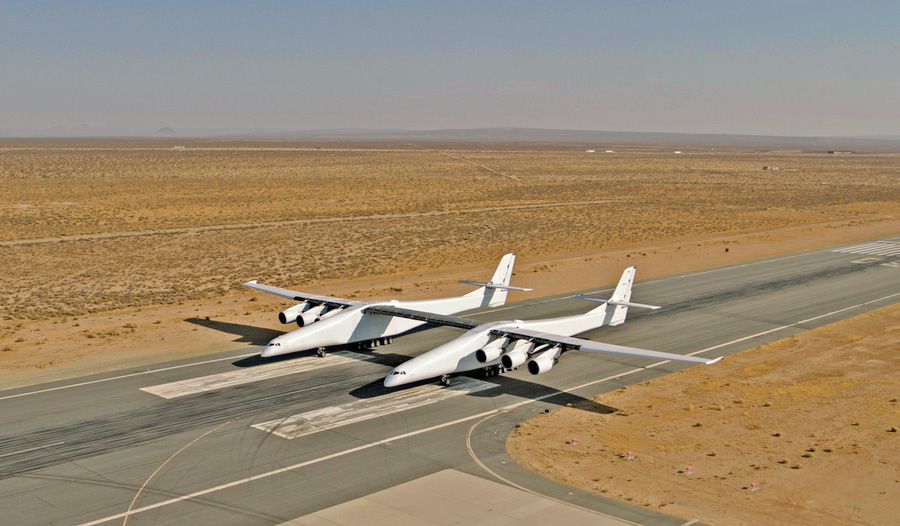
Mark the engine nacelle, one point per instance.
(517, 356)
(329, 313)
(491, 351)
(290, 315)
(310, 315)
(543, 362)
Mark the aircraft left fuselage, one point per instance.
(354, 324)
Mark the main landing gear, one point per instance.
(320, 352)
(445, 380)
(493, 370)
(370, 344)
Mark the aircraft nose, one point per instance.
(391, 380)
(398, 376)
(273, 348)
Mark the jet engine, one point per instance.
(310, 315)
(290, 315)
(491, 351)
(544, 361)
(517, 356)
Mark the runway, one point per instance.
(231, 439)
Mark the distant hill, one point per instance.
(588, 139)
(611, 138)
(165, 132)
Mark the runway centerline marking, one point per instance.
(435, 427)
(248, 375)
(31, 449)
(312, 422)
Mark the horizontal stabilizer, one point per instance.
(493, 285)
(622, 303)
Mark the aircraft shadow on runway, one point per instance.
(506, 384)
(248, 333)
(375, 356)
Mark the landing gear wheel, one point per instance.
(445, 380)
(320, 352)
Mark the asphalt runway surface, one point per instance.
(231, 439)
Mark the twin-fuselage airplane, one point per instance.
(494, 347)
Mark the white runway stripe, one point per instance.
(875, 249)
(855, 248)
(337, 416)
(252, 374)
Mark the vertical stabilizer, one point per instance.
(496, 297)
(494, 292)
(623, 294)
(504, 270)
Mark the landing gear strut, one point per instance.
(493, 370)
(320, 352)
(445, 380)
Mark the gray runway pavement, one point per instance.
(228, 448)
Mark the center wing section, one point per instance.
(580, 344)
(330, 302)
(427, 317)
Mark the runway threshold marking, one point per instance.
(878, 248)
(508, 407)
(311, 422)
(248, 375)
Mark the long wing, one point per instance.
(541, 338)
(580, 344)
(302, 296)
(427, 317)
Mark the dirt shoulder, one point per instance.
(799, 431)
(34, 352)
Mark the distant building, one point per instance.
(609, 151)
(677, 151)
(590, 151)
(771, 168)
(839, 152)
(178, 148)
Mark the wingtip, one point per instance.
(714, 360)
(251, 282)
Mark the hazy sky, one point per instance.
(774, 68)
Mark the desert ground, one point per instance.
(123, 253)
(802, 431)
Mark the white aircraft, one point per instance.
(327, 321)
(503, 345)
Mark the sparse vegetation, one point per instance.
(294, 214)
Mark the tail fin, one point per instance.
(622, 294)
(619, 299)
(495, 291)
(504, 270)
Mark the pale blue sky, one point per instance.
(773, 68)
